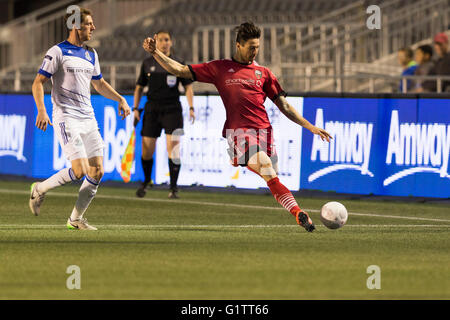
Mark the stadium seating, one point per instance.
(182, 18)
(299, 40)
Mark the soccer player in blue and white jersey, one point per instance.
(72, 67)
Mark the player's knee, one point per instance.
(265, 162)
(266, 167)
(98, 172)
(79, 173)
(275, 167)
(101, 173)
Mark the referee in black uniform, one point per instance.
(162, 111)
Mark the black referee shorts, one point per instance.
(159, 116)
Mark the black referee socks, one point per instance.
(147, 166)
(174, 169)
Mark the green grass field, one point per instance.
(218, 246)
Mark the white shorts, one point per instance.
(79, 138)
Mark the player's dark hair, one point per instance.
(408, 52)
(426, 49)
(166, 32)
(247, 31)
(84, 12)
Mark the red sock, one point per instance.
(283, 196)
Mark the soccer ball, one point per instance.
(333, 215)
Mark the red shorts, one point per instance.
(244, 143)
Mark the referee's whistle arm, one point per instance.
(137, 116)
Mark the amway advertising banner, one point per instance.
(380, 146)
(417, 148)
(349, 162)
(16, 134)
(26, 150)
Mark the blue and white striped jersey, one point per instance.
(71, 69)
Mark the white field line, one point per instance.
(220, 204)
(170, 226)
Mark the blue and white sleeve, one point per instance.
(51, 62)
(97, 75)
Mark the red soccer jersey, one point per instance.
(243, 89)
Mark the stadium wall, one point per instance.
(383, 144)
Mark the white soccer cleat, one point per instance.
(36, 199)
(79, 224)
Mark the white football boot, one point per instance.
(79, 224)
(36, 199)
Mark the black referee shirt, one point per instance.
(162, 86)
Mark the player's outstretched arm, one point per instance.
(170, 65)
(37, 89)
(105, 89)
(292, 114)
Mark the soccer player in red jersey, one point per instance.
(243, 86)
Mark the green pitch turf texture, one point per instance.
(218, 246)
